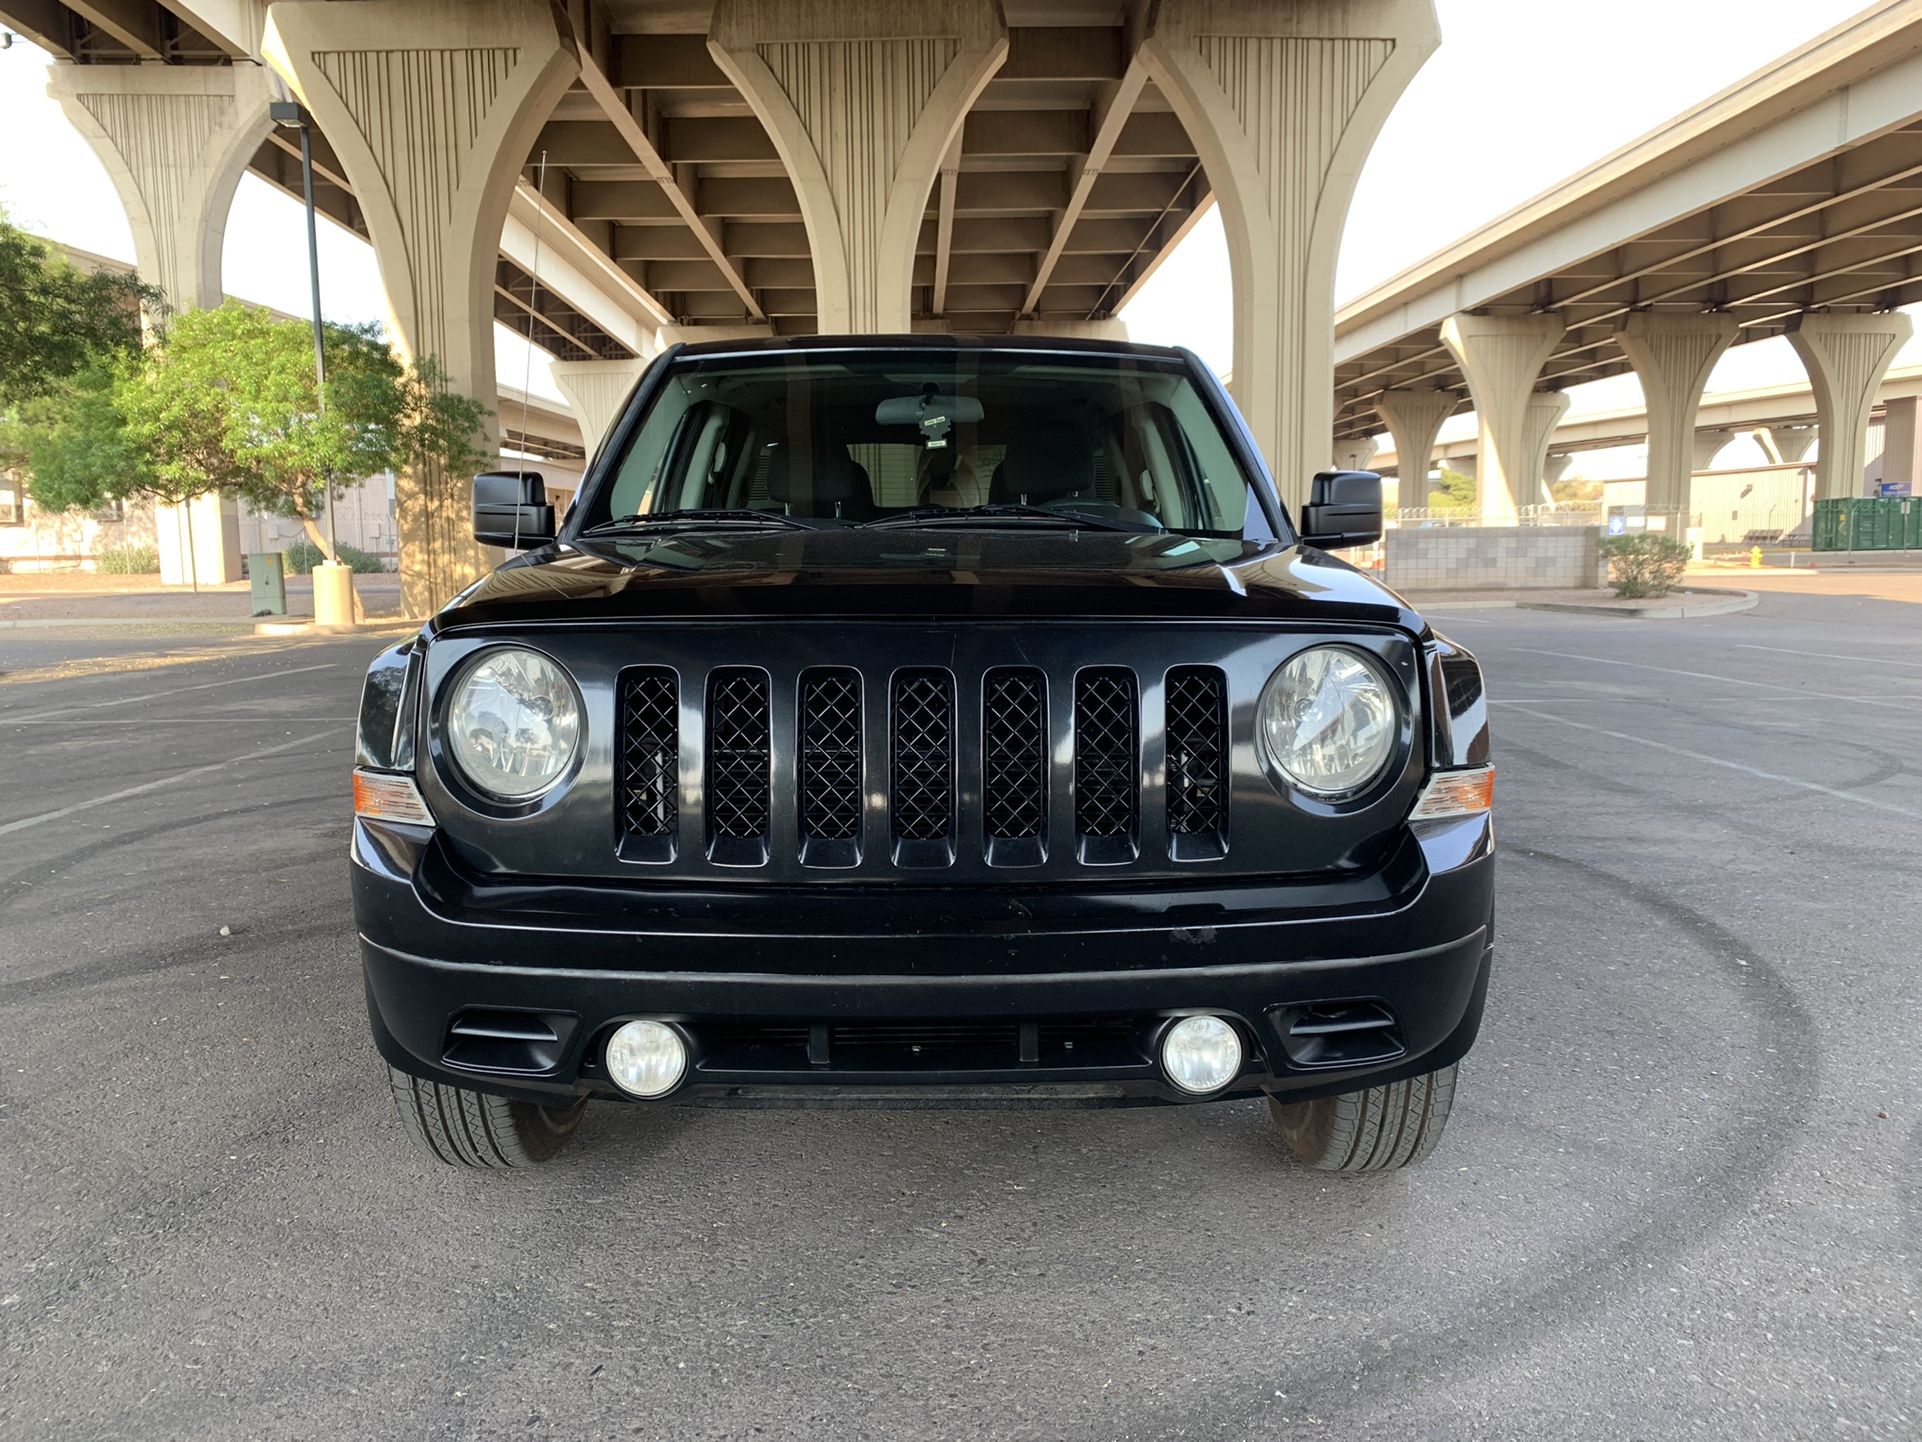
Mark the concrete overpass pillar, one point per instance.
(1414, 418)
(175, 141)
(1704, 447)
(1554, 468)
(1283, 103)
(1673, 355)
(862, 99)
(1545, 412)
(1356, 454)
(1786, 445)
(595, 391)
(1846, 357)
(1502, 355)
(431, 106)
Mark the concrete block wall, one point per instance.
(1494, 558)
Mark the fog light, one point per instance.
(1201, 1054)
(646, 1058)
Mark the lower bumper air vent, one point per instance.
(496, 1040)
(1338, 1033)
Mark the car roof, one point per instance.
(1036, 343)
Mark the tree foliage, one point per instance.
(1455, 491)
(227, 400)
(57, 321)
(61, 331)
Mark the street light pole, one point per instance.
(339, 603)
(290, 114)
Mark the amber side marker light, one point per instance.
(382, 796)
(1456, 793)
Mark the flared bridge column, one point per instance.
(1846, 357)
(431, 107)
(862, 99)
(1673, 355)
(1283, 103)
(1501, 355)
(595, 391)
(1414, 418)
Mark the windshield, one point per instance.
(934, 437)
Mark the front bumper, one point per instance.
(897, 996)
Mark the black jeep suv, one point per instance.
(925, 722)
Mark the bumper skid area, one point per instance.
(1053, 1014)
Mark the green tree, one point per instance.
(57, 321)
(61, 329)
(293, 445)
(1454, 491)
(80, 456)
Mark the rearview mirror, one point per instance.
(1344, 509)
(511, 510)
(932, 414)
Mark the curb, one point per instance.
(82, 623)
(1725, 604)
(314, 628)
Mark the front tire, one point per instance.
(466, 1128)
(1378, 1129)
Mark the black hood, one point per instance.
(997, 574)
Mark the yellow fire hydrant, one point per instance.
(1755, 558)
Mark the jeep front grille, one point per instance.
(829, 780)
(1197, 733)
(1107, 790)
(899, 762)
(1014, 754)
(739, 763)
(650, 752)
(921, 790)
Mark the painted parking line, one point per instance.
(170, 691)
(237, 718)
(1727, 765)
(1831, 656)
(1899, 705)
(65, 811)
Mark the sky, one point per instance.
(1521, 94)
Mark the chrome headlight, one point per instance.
(513, 723)
(1329, 719)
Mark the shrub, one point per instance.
(128, 560)
(1647, 563)
(300, 558)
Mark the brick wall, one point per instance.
(1494, 558)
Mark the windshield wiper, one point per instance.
(1005, 510)
(696, 516)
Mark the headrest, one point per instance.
(1047, 464)
(820, 479)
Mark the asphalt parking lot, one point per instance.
(1681, 1196)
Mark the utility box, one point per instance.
(267, 583)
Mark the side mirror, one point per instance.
(1344, 509)
(511, 510)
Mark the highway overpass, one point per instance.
(1789, 204)
(603, 174)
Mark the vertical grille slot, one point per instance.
(921, 750)
(738, 766)
(830, 767)
(650, 766)
(1014, 766)
(1107, 747)
(1196, 732)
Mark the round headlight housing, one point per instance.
(1330, 720)
(513, 723)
